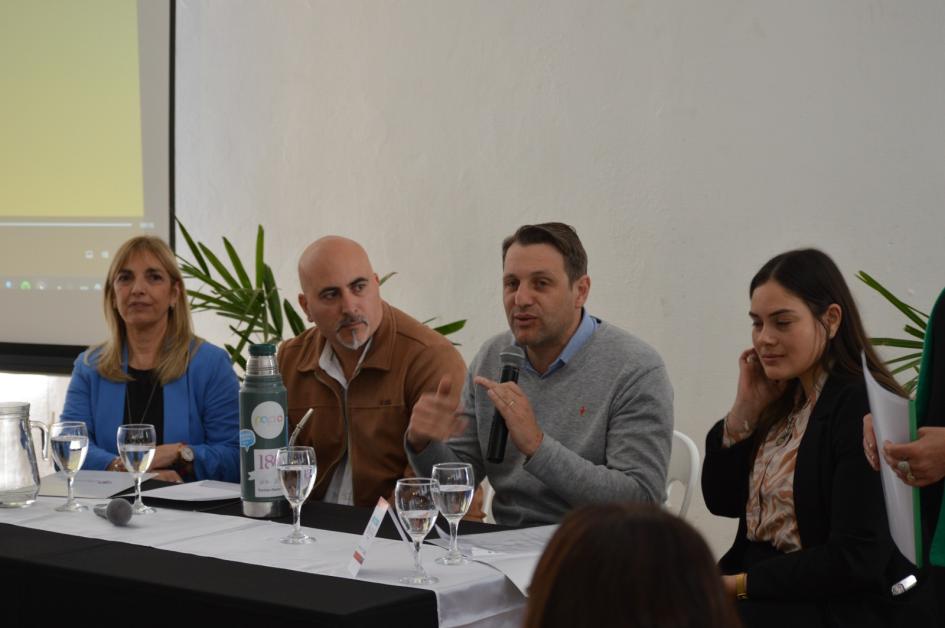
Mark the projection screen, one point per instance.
(86, 162)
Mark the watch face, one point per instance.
(187, 454)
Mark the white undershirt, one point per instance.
(341, 489)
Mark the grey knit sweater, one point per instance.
(607, 418)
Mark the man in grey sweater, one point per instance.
(590, 419)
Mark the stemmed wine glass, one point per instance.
(70, 444)
(297, 471)
(136, 445)
(453, 494)
(417, 511)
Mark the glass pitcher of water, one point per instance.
(19, 475)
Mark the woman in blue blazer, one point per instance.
(152, 369)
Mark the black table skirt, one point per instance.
(44, 573)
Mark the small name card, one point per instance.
(360, 552)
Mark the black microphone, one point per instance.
(511, 358)
(117, 511)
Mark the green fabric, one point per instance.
(937, 551)
(925, 381)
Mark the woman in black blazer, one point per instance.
(813, 546)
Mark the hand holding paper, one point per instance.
(925, 456)
(893, 422)
(869, 442)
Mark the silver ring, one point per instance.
(510, 403)
(903, 465)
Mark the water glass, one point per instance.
(70, 444)
(453, 493)
(416, 509)
(297, 471)
(137, 443)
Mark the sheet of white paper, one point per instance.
(91, 484)
(525, 540)
(513, 552)
(202, 491)
(891, 423)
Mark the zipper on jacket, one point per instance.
(346, 449)
(344, 417)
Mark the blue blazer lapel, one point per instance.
(177, 411)
(111, 410)
(111, 413)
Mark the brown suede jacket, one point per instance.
(405, 360)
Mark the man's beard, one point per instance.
(355, 343)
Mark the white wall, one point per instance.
(687, 141)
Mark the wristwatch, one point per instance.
(184, 465)
(185, 453)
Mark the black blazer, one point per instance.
(848, 560)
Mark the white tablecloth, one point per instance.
(468, 595)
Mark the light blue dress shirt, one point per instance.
(581, 335)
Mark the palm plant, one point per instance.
(254, 307)
(915, 329)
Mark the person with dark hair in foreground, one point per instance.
(813, 545)
(627, 565)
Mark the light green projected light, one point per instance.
(70, 115)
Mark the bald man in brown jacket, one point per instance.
(361, 368)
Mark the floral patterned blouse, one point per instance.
(769, 512)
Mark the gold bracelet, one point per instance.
(741, 586)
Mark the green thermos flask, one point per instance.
(264, 428)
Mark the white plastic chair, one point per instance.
(684, 464)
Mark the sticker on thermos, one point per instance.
(268, 419)
(265, 473)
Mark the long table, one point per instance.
(45, 572)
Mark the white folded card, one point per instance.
(90, 484)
